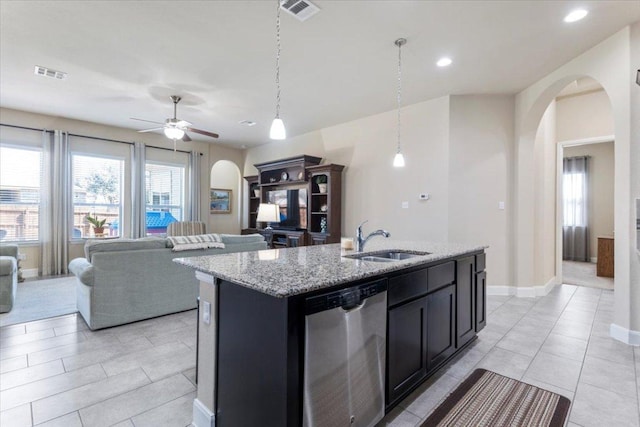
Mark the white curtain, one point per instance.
(55, 203)
(194, 186)
(138, 190)
(575, 190)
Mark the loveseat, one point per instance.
(8, 276)
(121, 281)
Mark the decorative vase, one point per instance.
(322, 188)
(323, 225)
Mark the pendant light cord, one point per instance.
(399, 43)
(278, 61)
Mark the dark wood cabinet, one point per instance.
(254, 199)
(441, 326)
(321, 215)
(481, 300)
(465, 301)
(407, 354)
(434, 312)
(481, 291)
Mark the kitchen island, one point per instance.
(254, 325)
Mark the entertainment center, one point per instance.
(309, 199)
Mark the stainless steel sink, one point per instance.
(387, 256)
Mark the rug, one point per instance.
(41, 299)
(489, 399)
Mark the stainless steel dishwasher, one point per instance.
(344, 360)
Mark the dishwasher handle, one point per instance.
(348, 299)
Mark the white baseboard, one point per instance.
(523, 292)
(625, 335)
(28, 273)
(202, 416)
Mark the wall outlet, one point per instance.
(206, 312)
(405, 205)
(22, 257)
(423, 196)
(501, 206)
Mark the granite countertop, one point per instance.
(294, 271)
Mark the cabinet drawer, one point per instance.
(480, 262)
(407, 286)
(441, 275)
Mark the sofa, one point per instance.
(124, 280)
(8, 276)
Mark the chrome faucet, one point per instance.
(360, 241)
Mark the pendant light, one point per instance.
(398, 160)
(277, 126)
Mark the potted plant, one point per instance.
(98, 224)
(321, 180)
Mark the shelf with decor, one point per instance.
(325, 224)
(254, 200)
(309, 198)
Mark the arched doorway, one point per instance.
(225, 176)
(574, 209)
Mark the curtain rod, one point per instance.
(96, 138)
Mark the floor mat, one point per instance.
(41, 299)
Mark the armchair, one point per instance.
(8, 276)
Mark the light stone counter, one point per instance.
(294, 271)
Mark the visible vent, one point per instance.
(301, 9)
(47, 72)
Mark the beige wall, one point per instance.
(612, 63)
(457, 149)
(372, 188)
(226, 175)
(601, 188)
(584, 116)
(545, 199)
(480, 141)
(634, 160)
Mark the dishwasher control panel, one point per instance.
(345, 298)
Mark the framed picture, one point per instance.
(220, 201)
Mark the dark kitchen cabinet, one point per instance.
(407, 353)
(465, 301)
(481, 291)
(441, 326)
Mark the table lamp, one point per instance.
(268, 213)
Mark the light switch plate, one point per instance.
(405, 205)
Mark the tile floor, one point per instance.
(58, 373)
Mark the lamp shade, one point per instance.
(173, 133)
(268, 212)
(398, 160)
(277, 129)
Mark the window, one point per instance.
(20, 176)
(164, 196)
(574, 201)
(97, 191)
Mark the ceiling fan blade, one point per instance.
(150, 130)
(186, 138)
(203, 132)
(148, 121)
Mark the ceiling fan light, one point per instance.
(173, 133)
(398, 161)
(277, 129)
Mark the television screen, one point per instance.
(293, 207)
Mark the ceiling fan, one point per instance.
(174, 128)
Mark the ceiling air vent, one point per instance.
(48, 72)
(301, 9)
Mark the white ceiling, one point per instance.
(125, 58)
